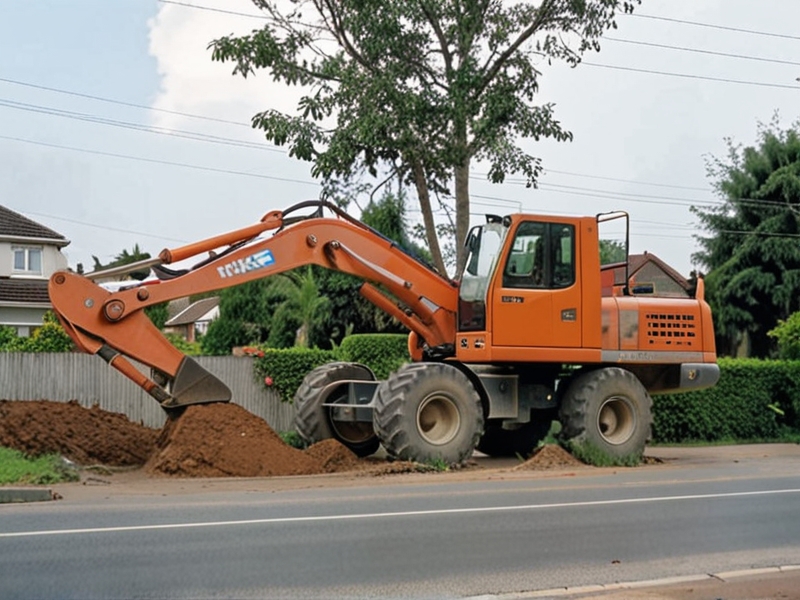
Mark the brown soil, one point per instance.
(212, 440)
(83, 435)
(549, 457)
(209, 440)
(218, 440)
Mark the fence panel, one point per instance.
(61, 377)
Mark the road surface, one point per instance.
(487, 532)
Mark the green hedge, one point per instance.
(284, 369)
(384, 353)
(754, 400)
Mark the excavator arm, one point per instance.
(114, 325)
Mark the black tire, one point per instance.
(428, 412)
(521, 441)
(608, 408)
(313, 421)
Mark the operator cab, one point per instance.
(524, 267)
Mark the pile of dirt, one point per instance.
(83, 435)
(210, 440)
(224, 440)
(549, 457)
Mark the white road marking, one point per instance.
(410, 513)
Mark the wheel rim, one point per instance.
(352, 433)
(438, 419)
(349, 432)
(616, 420)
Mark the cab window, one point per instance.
(542, 256)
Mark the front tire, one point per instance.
(609, 409)
(427, 412)
(313, 420)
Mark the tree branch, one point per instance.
(541, 17)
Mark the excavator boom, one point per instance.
(114, 325)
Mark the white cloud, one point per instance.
(192, 83)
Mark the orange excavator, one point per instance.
(532, 330)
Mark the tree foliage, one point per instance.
(419, 87)
(612, 251)
(50, 337)
(752, 252)
(787, 334)
(126, 258)
(245, 317)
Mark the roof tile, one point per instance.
(14, 224)
(30, 291)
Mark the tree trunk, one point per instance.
(462, 212)
(427, 215)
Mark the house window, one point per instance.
(28, 260)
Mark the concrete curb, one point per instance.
(631, 585)
(8, 495)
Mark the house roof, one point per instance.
(28, 291)
(194, 312)
(637, 261)
(13, 224)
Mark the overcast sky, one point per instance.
(99, 173)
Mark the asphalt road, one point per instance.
(422, 536)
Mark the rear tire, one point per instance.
(608, 408)
(521, 441)
(427, 412)
(313, 420)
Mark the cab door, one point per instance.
(536, 300)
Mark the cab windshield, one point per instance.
(484, 243)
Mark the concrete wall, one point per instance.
(62, 377)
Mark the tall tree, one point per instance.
(752, 252)
(420, 87)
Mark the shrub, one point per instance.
(754, 400)
(787, 333)
(381, 352)
(50, 337)
(185, 346)
(286, 367)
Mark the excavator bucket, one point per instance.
(194, 385)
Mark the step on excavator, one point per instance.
(533, 330)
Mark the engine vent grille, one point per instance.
(665, 329)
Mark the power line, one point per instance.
(211, 9)
(701, 51)
(217, 139)
(104, 227)
(573, 190)
(517, 181)
(663, 185)
(123, 103)
(709, 25)
(90, 118)
(157, 161)
(197, 136)
(690, 76)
